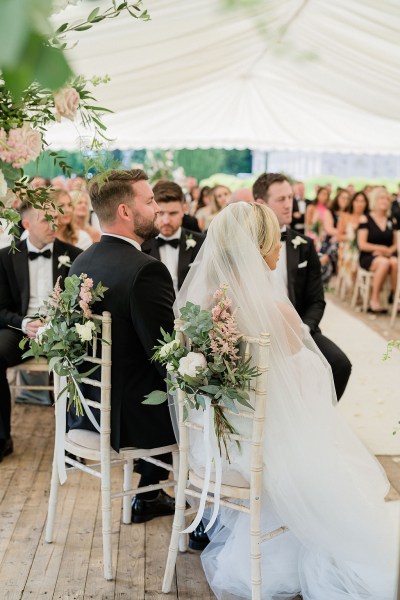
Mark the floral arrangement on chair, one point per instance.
(212, 368)
(67, 331)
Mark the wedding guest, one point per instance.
(347, 236)
(175, 246)
(329, 243)
(300, 273)
(140, 296)
(27, 276)
(202, 210)
(316, 217)
(377, 241)
(66, 230)
(300, 204)
(219, 197)
(81, 214)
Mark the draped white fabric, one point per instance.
(280, 74)
(318, 478)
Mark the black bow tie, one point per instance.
(174, 243)
(283, 236)
(35, 255)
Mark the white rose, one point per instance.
(192, 364)
(85, 331)
(40, 332)
(3, 185)
(169, 348)
(64, 261)
(66, 103)
(190, 243)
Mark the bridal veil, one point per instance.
(319, 479)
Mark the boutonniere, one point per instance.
(297, 241)
(64, 261)
(190, 242)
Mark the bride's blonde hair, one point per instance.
(267, 228)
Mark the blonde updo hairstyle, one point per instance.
(267, 228)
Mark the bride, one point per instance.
(319, 480)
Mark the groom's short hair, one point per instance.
(168, 191)
(264, 182)
(109, 190)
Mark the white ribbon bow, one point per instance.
(61, 420)
(212, 454)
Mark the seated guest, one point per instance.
(27, 276)
(220, 195)
(81, 215)
(66, 230)
(202, 208)
(175, 246)
(329, 245)
(347, 236)
(317, 217)
(377, 241)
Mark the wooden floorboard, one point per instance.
(71, 568)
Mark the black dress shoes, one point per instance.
(6, 448)
(198, 539)
(145, 510)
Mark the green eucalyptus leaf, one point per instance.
(155, 398)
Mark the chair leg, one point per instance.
(178, 524)
(356, 292)
(365, 294)
(395, 305)
(126, 501)
(106, 518)
(255, 550)
(183, 537)
(53, 497)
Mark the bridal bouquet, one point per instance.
(212, 368)
(67, 331)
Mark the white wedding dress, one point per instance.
(319, 480)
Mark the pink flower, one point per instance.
(66, 103)
(55, 296)
(21, 146)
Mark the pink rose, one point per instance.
(22, 145)
(66, 103)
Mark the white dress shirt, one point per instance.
(122, 237)
(40, 280)
(280, 273)
(170, 256)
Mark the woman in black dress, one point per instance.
(377, 241)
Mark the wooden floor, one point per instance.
(71, 567)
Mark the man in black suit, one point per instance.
(300, 272)
(175, 246)
(27, 277)
(300, 204)
(140, 297)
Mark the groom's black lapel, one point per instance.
(185, 258)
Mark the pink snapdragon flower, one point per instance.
(55, 296)
(20, 146)
(86, 296)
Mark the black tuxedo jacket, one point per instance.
(186, 256)
(140, 298)
(14, 279)
(305, 288)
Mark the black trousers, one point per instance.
(340, 364)
(10, 355)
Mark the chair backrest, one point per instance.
(101, 356)
(256, 348)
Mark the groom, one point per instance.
(299, 271)
(140, 297)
